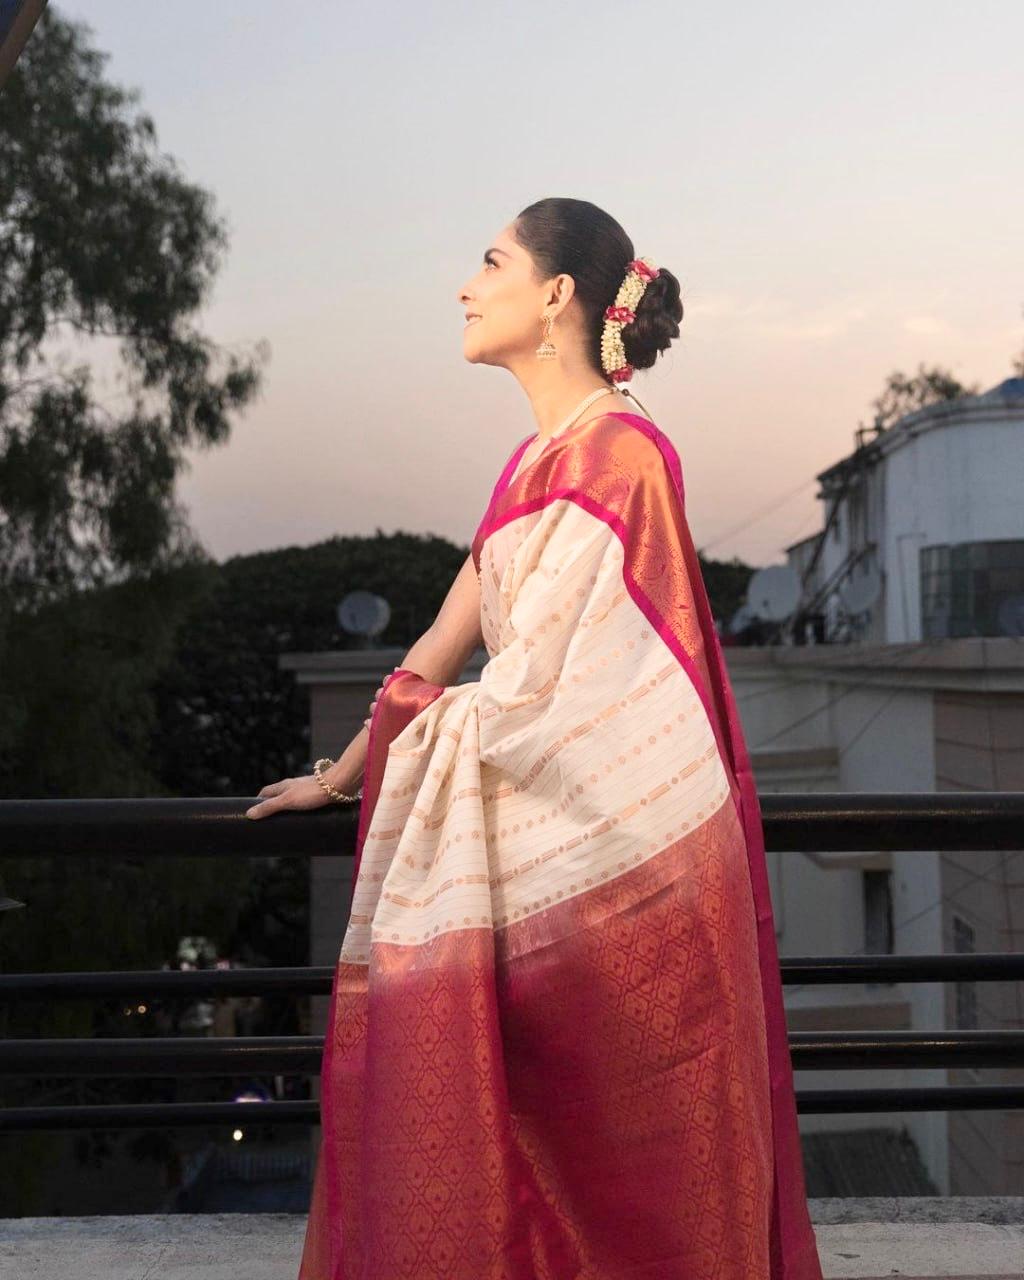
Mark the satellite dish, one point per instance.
(774, 592)
(1010, 615)
(740, 620)
(362, 613)
(860, 588)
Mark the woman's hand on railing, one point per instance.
(304, 793)
(289, 793)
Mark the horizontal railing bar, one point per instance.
(239, 1055)
(855, 821)
(217, 826)
(71, 1056)
(146, 1115)
(948, 1097)
(205, 827)
(973, 966)
(979, 966)
(182, 1114)
(168, 983)
(882, 1050)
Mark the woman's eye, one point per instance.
(490, 262)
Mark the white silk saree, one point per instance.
(556, 1047)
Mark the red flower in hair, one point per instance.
(622, 374)
(642, 269)
(625, 314)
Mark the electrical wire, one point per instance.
(906, 652)
(757, 515)
(915, 649)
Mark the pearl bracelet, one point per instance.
(325, 762)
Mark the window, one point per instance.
(878, 933)
(972, 589)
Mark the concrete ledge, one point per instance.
(186, 1246)
(919, 1209)
(976, 1237)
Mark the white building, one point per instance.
(933, 509)
(916, 585)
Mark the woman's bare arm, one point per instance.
(439, 656)
(454, 635)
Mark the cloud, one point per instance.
(927, 325)
(774, 318)
(827, 322)
(725, 304)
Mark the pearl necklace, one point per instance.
(594, 395)
(564, 425)
(583, 404)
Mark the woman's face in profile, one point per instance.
(508, 300)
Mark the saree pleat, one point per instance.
(556, 1045)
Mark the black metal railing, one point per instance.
(793, 822)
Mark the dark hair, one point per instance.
(575, 236)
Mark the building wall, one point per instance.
(979, 746)
(856, 733)
(885, 738)
(947, 715)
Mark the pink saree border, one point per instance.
(400, 702)
(794, 1251)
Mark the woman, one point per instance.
(556, 1045)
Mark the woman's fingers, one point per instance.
(301, 793)
(373, 704)
(266, 793)
(377, 692)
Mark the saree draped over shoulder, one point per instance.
(556, 1046)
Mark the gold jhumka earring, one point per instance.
(547, 349)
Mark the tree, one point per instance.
(1017, 364)
(726, 583)
(230, 718)
(106, 250)
(903, 394)
(105, 244)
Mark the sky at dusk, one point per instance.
(837, 187)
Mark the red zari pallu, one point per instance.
(556, 1047)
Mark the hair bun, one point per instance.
(658, 314)
(580, 239)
